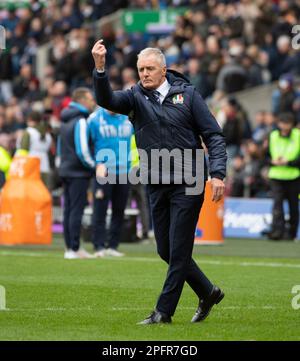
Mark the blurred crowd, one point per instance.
(222, 46)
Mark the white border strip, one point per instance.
(157, 259)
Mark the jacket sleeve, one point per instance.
(25, 141)
(119, 101)
(81, 144)
(94, 135)
(275, 100)
(267, 153)
(295, 162)
(212, 136)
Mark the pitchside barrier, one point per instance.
(26, 212)
(247, 218)
(235, 218)
(25, 205)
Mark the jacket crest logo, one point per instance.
(178, 99)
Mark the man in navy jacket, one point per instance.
(168, 113)
(76, 167)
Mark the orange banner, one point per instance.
(209, 228)
(25, 205)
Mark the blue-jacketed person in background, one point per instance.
(110, 134)
(76, 167)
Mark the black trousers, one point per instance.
(75, 199)
(175, 216)
(288, 190)
(117, 194)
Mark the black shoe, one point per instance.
(206, 305)
(275, 236)
(289, 236)
(266, 232)
(156, 317)
(145, 235)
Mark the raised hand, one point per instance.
(99, 52)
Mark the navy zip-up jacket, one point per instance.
(178, 122)
(75, 158)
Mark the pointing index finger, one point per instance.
(99, 43)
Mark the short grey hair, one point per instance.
(153, 51)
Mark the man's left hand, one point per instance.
(218, 189)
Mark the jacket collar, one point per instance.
(80, 107)
(164, 88)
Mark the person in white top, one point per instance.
(36, 142)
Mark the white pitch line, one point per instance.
(217, 263)
(151, 259)
(26, 254)
(252, 264)
(193, 308)
(50, 309)
(129, 309)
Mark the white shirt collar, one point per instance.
(164, 88)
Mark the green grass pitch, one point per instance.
(49, 298)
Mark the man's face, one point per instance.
(152, 74)
(285, 128)
(5, 140)
(89, 102)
